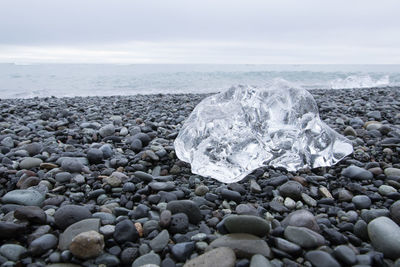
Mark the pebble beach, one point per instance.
(94, 181)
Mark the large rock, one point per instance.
(244, 245)
(87, 245)
(230, 134)
(385, 236)
(221, 257)
(246, 224)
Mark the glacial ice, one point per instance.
(230, 134)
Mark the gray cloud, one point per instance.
(92, 24)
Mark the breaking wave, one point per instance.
(360, 81)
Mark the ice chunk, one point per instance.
(230, 134)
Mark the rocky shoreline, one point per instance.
(94, 181)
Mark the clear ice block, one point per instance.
(230, 134)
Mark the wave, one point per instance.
(360, 81)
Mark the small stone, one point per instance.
(125, 231)
(221, 257)
(354, 172)
(147, 259)
(8, 142)
(385, 236)
(246, 224)
(231, 195)
(145, 177)
(325, 192)
(304, 237)
(179, 223)
(287, 246)
(165, 218)
(95, 156)
(246, 209)
(69, 214)
(107, 130)
(361, 201)
(10, 230)
(63, 177)
(29, 163)
(259, 261)
(188, 207)
(244, 245)
(108, 260)
(160, 241)
(349, 131)
(309, 200)
(42, 244)
(75, 229)
(13, 252)
(395, 212)
(87, 245)
(301, 218)
(201, 190)
(32, 214)
(24, 197)
(291, 189)
(321, 258)
(369, 215)
(33, 148)
(345, 255)
(392, 172)
(113, 181)
(72, 165)
(385, 190)
(162, 186)
(182, 251)
(289, 203)
(255, 187)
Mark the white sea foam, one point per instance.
(360, 81)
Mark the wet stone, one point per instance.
(24, 197)
(188, 207)
(246, 224)
(291, 189)
(221, 257)
(32, 214)
(304, 237)
(69, 214)
(42, 244)
(321, 258)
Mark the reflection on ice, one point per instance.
(230, 134)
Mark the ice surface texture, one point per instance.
(230, 134)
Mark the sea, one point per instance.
(69, 80)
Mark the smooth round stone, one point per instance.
(304, 237)
(87, 245)
(145, 177)
(246, 224)
(394, 172)
(75, 229)
(107, 130)
(188, 207)
(165, 218)
(231, 195)
(361, 229)
(291, 189)
(12, 252)
(361, 201)
(354, 172)
(10, 230)
(160, 241)
(259, 261)
(33, 148)
(69, 214)
(289, 203)
(321, 258)
(385, 236)
(136, 145)
(24, 197)
(246, 209)
(349, 131)
(345, 255)
(287, 246)
(63, 177)
(150, 258)
(244, 245)
(125, 231)
(29, 163)
(308, 200)
(32, 214)
(95, 156)
(107, 150)
(113, 181)
(145, 138)
(8, 142)
(395, 212)
(221, 257)
(128, 255)
(129, 187)
(369, 215)
(179, 223)
(162, 186)
(201, 190)
(301, 218)
(105, 218)
(182, 251)
(72, 165)
(42, 244)
(108, 260)
(385, 190)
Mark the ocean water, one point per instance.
(68, 80)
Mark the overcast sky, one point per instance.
(201, 31)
